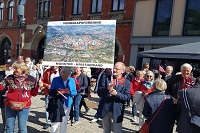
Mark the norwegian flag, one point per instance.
(161, 69)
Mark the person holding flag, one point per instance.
(114, 93)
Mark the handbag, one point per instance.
(194, 119)
(15, 105)
(146, 126)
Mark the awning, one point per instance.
(189, 51)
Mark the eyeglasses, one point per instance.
(117, 69)
(149, 76)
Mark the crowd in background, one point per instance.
(156, 96)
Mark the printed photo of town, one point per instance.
(80, 43)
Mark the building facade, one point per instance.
(162, 23)
(29, 37)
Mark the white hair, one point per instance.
(171, 68)
(149, 72)
(87, 70)
(186, 65)
(66, 70)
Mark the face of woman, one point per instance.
(140, 75)
(64, 76)
(77, 69)
(149, 77)
(18, 71)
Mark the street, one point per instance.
(37, 118)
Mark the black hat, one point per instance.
(9, 61)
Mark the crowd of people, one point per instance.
(159, 98)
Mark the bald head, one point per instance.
(119, 69)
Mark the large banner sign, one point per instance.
(86, 43)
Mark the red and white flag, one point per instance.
(161, 69)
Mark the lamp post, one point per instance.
(20, 31)
(21, 22)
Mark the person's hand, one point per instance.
(48, 86)
(113, 92)
(40, 84)
(63, 91)
(110, 86)
(174, 100)
(66, 90)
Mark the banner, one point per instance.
(86, 43)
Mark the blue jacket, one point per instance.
(114, 104)
(58, 83)
(162, 123)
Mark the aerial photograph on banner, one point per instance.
(89, 43)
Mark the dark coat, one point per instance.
(55, 107)
(113, 104)
(193, 96)
(162, 123)
(83, 83)
(173, 85)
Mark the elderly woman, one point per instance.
(82, 85)
(144, 88)
(162, 123)
(20, 87)
(135, 84)
(63, 88)
(147, 85)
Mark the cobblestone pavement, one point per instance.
(37, 119)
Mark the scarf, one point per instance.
(148, 84)
(21, 83)
(119, 81)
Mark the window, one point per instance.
(118, 5)
(77, 7)
(10, 10)
(44, 8)
(1, 10)
(96, 6)
(162, 18)
(192, 18)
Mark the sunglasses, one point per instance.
(149, 76)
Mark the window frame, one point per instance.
(186, 16)
(96, 6)
(44, 8)
(79, 7)
(156, 19)
(1, 10)
(10, 10)
(119, 2)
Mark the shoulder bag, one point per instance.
(146, 126)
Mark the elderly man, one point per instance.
(168, 72)
(114, 93)
(179, 82)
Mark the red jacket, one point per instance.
(14, 93)
(46, 80)
(135, 85)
